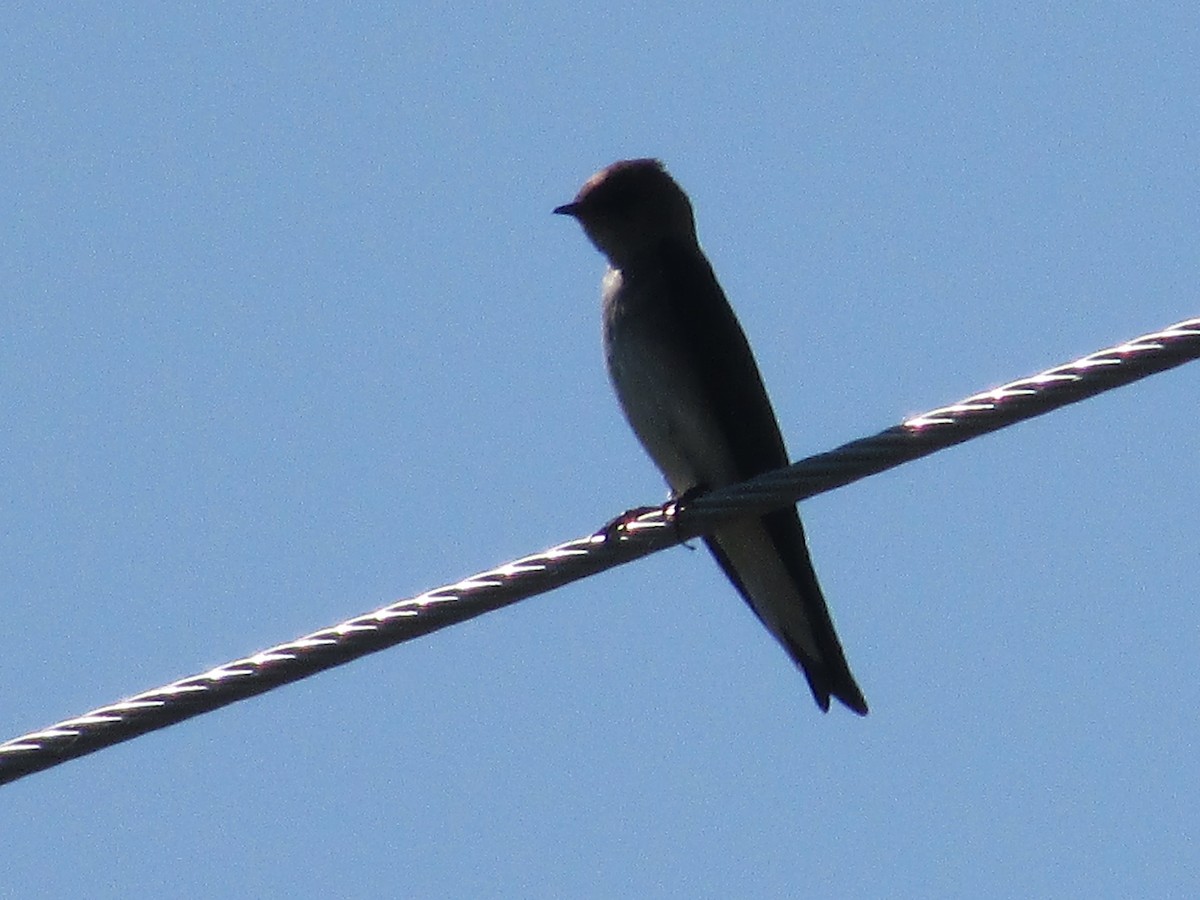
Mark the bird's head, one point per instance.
(631, 207)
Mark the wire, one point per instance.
(630, 537)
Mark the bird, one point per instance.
(688, 383)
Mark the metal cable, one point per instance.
(636, 534)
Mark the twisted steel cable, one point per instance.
(634, 535)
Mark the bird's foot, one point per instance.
(626, 522)
(641, 517)
(680, 501)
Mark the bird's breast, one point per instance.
(661, 389)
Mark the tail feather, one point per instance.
(823, 661)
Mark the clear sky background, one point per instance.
(287, 330)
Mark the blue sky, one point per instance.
(288, 331)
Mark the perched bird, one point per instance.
(690, 387)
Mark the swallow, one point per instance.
(688, 383)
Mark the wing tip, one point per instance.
(847, 693)
(855, 702)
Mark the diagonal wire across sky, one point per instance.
(634, 535)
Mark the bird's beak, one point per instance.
(567, 209)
